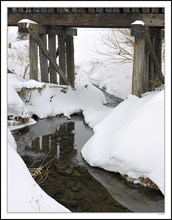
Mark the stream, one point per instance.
(54, 145)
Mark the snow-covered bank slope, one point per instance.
(54, 101)
(45, 100)
(115, 77)
(16, 106)
(18, 57)
(18, 113)
(24, 194)
(130, 140)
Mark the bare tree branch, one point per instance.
(118, 46)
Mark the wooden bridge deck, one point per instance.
(88, 17)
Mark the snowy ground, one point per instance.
(115, 78)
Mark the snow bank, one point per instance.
(18, 57)
(24, 194)
(48, 100)
(16, 106)
(54, 100)
(130, 140)
(19, 83)
(116, 78)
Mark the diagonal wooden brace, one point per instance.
(47, 54)
(142, 31)
(152, 52)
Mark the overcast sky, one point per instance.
(84, 42)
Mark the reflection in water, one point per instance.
(40, 141)
(46, 135)
(58, 151)
(72, 181)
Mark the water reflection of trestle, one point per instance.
(61, 140)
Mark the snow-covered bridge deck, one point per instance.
(88, 17)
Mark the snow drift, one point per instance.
(130, 140)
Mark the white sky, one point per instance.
(84, 42)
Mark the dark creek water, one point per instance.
(54, 144)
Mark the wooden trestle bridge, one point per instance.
(63, 23)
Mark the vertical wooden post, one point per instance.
(52, 50)
(62, 56)
(138, 66)
(145, 75)
(158, 47)
(33, 56)
(156, 44)
(151, 63)
(70, 59)
(43, 60)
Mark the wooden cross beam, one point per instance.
(49, 29)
